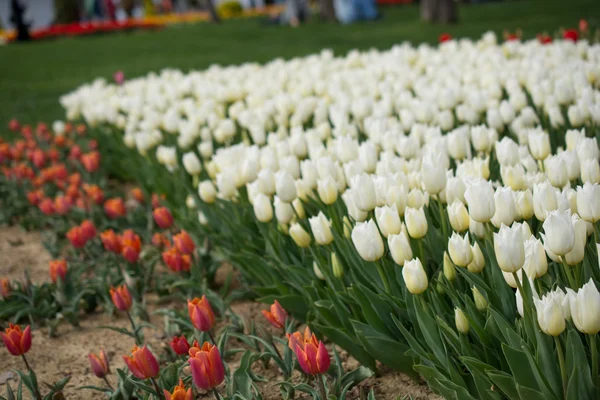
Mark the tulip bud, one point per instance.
(180, 345)
(58, 269)
(478, 263)
(179, 393)
(388, 220)
(201, 314)
(336, 266)
(347, 227)
(509, 248)
(299, 208)
(114, 208)
(99, 364)
(142, 363)
(416, 223)
(367, 240)
(121, 298)
(317, 271)
(460, 249)
(480, 301)
(321, 229)
(433, 172)
(207, 192)
(480, 198)
(327, 189)
(449, 269)
(4, 288)
(276, 315)
(285, 186)
(459, 216)
(284, 212)
(461, 321)
(262, 208)
(560, 233)
(299, 235)
(414, 276)
(191, 163)
(162, 217)
(400, 248)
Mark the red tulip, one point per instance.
(121, 298)
(184, 242)
(142, 363)
(89, 230)
(571, 34)
(99, 364)
(58, 269)
(46, 206)
(4, 288)
(201, 314)
(207, 366)
(62, 205)
(137, 194)
(17, 342)
(160, 240)
(163, 217)
(583, 25)
(38, 158)
(90, 161)
(35, 196)
(94, 193)
(75, 152)
(115, 208)
(176, 261)
(111, 241)
(544, 38)
(179, 393)
(77, 237)
(312, 354)
(119, 77)
(180, 345)
(131, 246)
(444, 37)
(276, 316)
(14, 125)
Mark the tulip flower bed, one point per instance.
(121, 252)
(434, 209)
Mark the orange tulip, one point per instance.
(46, 206)
(184, 242)
(201, 314)
(88, 228)
(38, 158)
(160, 240)
(137, 194)
(142, 363)
(115, 208)
(111, 241)
(276, 316)
(62, 205)
(58, 269)
(94, 193)
(121, 298)
(207, 366)
(131, 246)
(312, 354)
(176, 261)
(35, 196)
(179, 393)
(90, 161)
(163, 217)
(77, 237)
(99, 364)
(17, 342)
(4, 288)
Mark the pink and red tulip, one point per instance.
(179, 393)
(17, 342)
(58, 269)
(311, 353)
(121, 298)
(207, 366)
(99, 364)
(201, 314)
(115, 208)
(111, 241)
(162, 217)
(131, 246)
(180, 345)
(176, 261)
(184, 242)
(142, 363)
(276, 316)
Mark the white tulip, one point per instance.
(299, 235)
(588, 202)
(459, 249)
(590, 171)
(367, 240)
(585, 308)
(556, 170)
(550, 314)
(327, 189)
(433, 173)
(321, 229)
(461, 321)
(207, 191)
(544, 199)
(388, 220)
(507, 151)
(400, 248)
(266, 181)
(285, 187)
(191, 163)
(414, 276)
(364, 195)
(504, 202)
(560, 233)
(575, 256)
(349, 199)
(262, 208)
(509, 248)
(480, 198)
(458, 216)
(539, 143)
(524, 204)
(536, 264)
(478, 262)
(416, 223)
(284, 212)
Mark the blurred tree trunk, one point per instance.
(66, 11)
(443, 11)
(327, 10)
(214, 17)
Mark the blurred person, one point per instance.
(348, 11)
(295, 12)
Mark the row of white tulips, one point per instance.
(478, 141)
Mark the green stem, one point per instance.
(383, 276)
(35, 389)
(212, 338)
(159, 393)
(321, 387)
(138, 340)
(443, 220)
(594, 350)
(526, 308)
(108, 384)
(422, 252)
(217, 395)
(561, 363)
(569, 274)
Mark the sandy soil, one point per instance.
(55, 358)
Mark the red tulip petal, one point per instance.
(323, 360)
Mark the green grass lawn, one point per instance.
(34, 75)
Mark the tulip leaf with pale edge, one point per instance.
(169, 376)
(580, 384)
(479, 369)
(376, 311)
(294, 304)
(302, 387)
(242, 382)
(30, 382)
(443, 385)
(348, 343)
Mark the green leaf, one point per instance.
(483, 383)
(505, 382)
(376, 311)
(169, 376)
(242, 382)
(529, 394)
(97, 388)
(120, 330)
(520, 367)
(350, 344)
(579, 380)
(355, 377)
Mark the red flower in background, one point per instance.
(111, 241)
(4, 288)
(163, 217)
(119, 77)
(137, 194)
(571, 34)
(176, 261)
(131, 246)
(58, 269)
(77, 237)
(62, 205)
(38, 158)
(35, 196)
(121, 298)
(180, 345)
(544, 38)
(89, 229)
(99, 364)
(14, 125)
(583, 25)
(115, 208)
(46, 206)
(91, 161)
(184, 242)
(94, 193)
(276, 315)
(444, 37)
(75, 152)
(160, 240)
